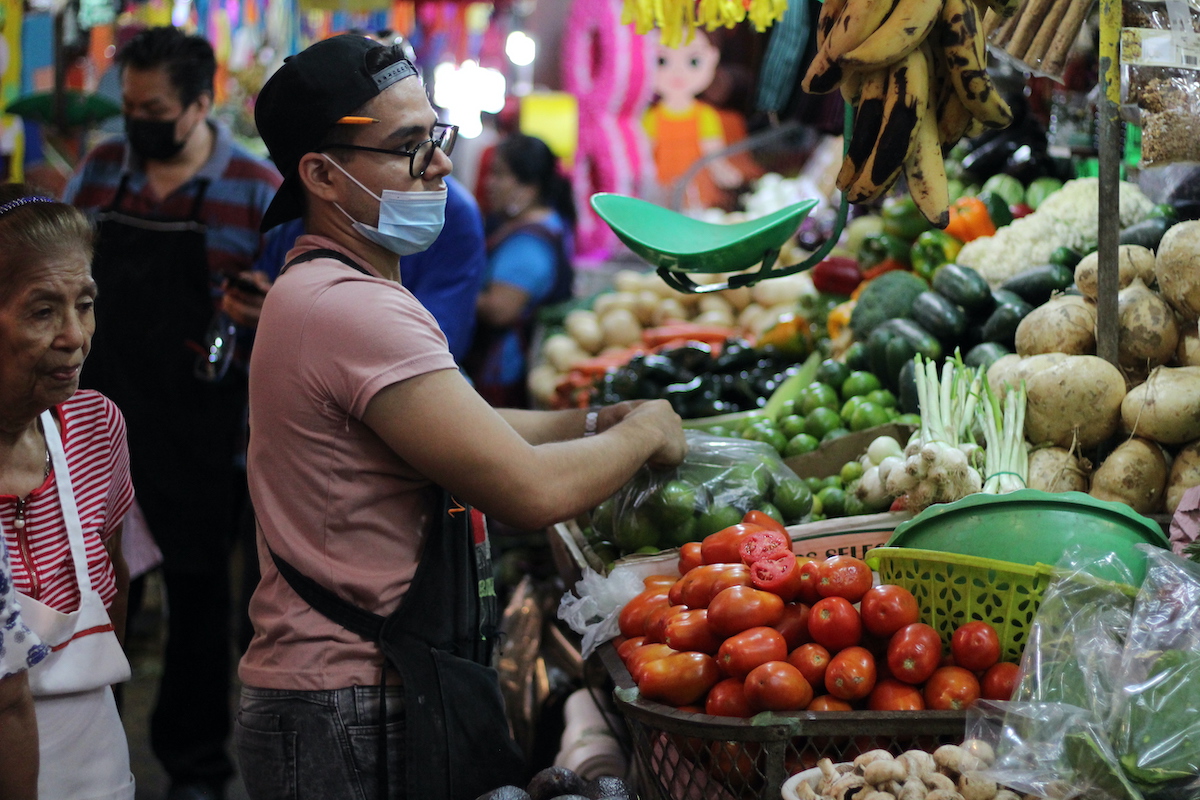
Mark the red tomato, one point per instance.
(851, 674)
(675, 593)
(633, 616)
(628, 646)
(828, 702)
(701, 584)
(844, 576)
(794, 625)
(886, 609)
(744, 651)
(644, 655)
(834, 623)
(739, 607)
(735, 763)
(663, 582)
(679, 679)
(951, 689)
(778, 573)
(777, 686)
(892, 695)
(764, 543)
(766, 521)
(914, 653)
(723, 547)
(689, 557)
(728, 699)
(812, 660)
(975, 646)
(688, 630)
(656, 622)
(999, 682)
(810, 573)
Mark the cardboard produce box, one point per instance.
(829, 458)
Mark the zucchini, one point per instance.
(1147, 233)
(855, 357)
(962, 285)
(1036, 284)
(907, 399)
(939, 316)
(1002, 325)
(1065, 257)
(893, 343)
(1002, 296)
(986, 354)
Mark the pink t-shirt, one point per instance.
(330, 496)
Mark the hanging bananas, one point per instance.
(916, 73)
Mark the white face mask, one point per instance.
(409, 222)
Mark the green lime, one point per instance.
(909, 419)
(882, 397)
(813, 518)
(647, 550)
(859, 383)
(800, 444)
(814, 484)
(748, 478)
(818, 510)
(868, 415)
(833, 481)
(833, 501)
(856, 356)
(833, 373)
(636, 530)
(772, 512)
(719, 430)
(787, 408)
(851, 471)
(821, 421)
(716, 518)
(607, 552)
(854, 507)
(681, 534)
(776, 439)
(676, 503)
(793, 499)
(791, 425)
(850, 406)
(602, 519)
(836, 433)
(814, 396)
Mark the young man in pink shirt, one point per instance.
(369, 454)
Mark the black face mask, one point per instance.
(153, 140)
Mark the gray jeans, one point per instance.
(297, 745)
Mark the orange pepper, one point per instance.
(969, 220)
(839, 318)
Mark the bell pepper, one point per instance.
(902, 218)
(839, 319)
(791, 336)
(969, 220)
(997, 208)
(1020, 210)
(931, 250)
(881, 247)
(836, 275)
(887, 265)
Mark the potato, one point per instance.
(1130, 264)
(542, 382)
(562, 352)
(738, 298)
(715, 302)
(1076, 399)
(1147, 332)
(609, 300)
(1166, 408)
(1013, 369)
(1065, 324)
(646, 306)
(1187, 353)
(1177, 268)
(620, 327)
(1054, 469)
(584, 328)
(1135, 474)
(1185, 473)
(669, 310)
(627, 280)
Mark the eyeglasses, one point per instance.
(420, 157)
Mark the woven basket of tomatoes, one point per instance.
(756, 663)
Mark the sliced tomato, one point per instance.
(723, 547)
(778, 573)
(764, 544)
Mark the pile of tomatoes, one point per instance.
(751, 627)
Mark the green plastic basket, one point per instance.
(953, 590)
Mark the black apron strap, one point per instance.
(354, 619)
(313, 255)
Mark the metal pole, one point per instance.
(1110, 165)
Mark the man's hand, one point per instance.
(244, 297)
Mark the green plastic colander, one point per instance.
(953, 590)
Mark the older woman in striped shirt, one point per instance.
(64, 489)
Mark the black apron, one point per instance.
(152, 312)
(440, 640)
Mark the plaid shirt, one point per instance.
(240, 187)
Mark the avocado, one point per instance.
(608, 787)
(505, 793)
(554, 782)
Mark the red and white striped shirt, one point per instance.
(93, 433)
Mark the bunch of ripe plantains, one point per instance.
(916, 73)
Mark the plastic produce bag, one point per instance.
(594, 607)
(719, 481)
(1156, 730)
(1160, 78)
(1039, 36)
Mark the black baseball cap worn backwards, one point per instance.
(305, 98)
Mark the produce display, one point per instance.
(560, 783)
(751, 627)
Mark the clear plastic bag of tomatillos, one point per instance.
(718, 482)
(1039, 36)
(1160, 78)
(1156, 723)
